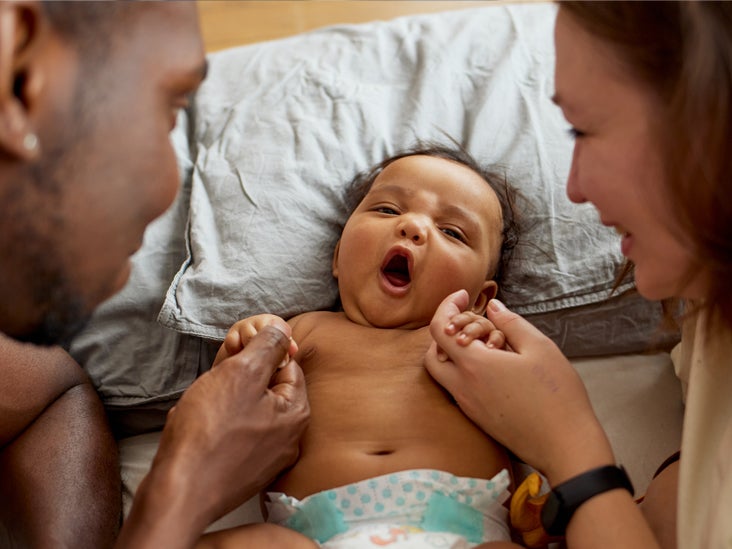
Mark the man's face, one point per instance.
(106, 169)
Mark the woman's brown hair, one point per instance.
(683, 51)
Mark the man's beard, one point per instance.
(64, 316)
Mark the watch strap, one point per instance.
(566, 497)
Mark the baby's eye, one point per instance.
(452, 233)
(387, 210)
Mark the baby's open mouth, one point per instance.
(396, 270)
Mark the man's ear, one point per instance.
(22, 26)
(335, 259)
(489, 291)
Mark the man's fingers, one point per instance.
(289, 383)
(264, 353)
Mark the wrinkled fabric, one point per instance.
(266, 151)
(279, 129)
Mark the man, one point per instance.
(88, 95)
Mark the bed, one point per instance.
(265, 152)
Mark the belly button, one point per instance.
(381, 452)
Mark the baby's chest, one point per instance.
(364, 353)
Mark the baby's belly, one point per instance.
(354, 445)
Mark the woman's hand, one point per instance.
(529, 399)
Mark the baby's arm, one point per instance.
(467, 327)
(243, 331)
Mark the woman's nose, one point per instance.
(574, 190)
(412, 227)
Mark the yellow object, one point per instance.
(525, 513)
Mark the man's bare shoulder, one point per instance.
(31, 378)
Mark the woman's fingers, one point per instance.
(519, 333)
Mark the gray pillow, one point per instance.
(279, 129)
(267, 149)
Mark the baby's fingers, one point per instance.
(479, 328)
(232, 344)
(459, 322)
(497, 339)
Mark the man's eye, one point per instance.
(174, 118)
(452, 233)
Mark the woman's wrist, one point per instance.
(568, 496)
(587, 449)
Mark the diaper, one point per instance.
(417, 508)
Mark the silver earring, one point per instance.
(30, 142)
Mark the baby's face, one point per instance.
(428, 227)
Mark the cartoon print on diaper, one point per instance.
(394, 535)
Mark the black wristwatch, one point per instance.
(566, 497)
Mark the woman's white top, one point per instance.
(703, 361)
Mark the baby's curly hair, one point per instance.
(506, 194)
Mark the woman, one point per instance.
(647, 88)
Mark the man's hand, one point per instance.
(229, 435)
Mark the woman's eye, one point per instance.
(387, 210)
(452, 233)
(575, 133)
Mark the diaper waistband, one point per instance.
(428, 499)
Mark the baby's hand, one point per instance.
(469, 326)
(243, 331)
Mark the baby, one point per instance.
(388, 458)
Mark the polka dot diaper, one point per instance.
(417, 508)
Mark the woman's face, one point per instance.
(617, 163)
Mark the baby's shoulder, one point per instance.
(304, 324)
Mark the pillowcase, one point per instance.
(267, 150)
(279, 129)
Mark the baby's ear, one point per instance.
(489, 291)
(334, 268)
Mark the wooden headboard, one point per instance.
(227, 23)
